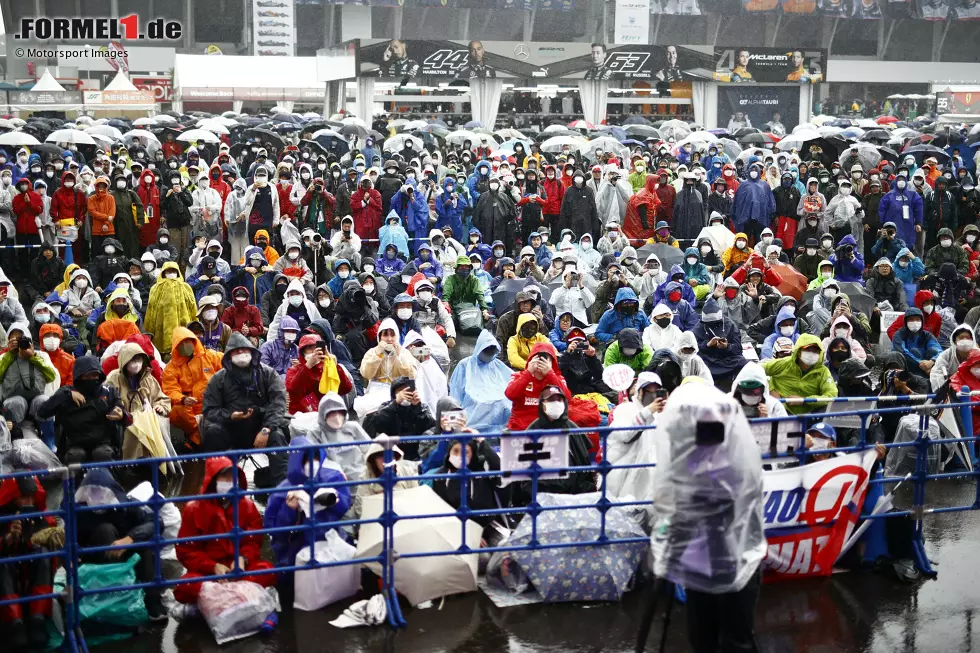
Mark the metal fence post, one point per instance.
(74, 638)
(919, 492)
(966, 416)
(388, 519)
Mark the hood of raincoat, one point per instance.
(213, 467)
(752, 371)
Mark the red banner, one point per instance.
(161, 87)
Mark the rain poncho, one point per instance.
(707, 499)
(788, 379)
(656, 337)
(171, 305)
(785, 313)
(430, 382)
(479, 386)
(754, 372)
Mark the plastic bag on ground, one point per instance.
(110, 615)
(316, 588)
(235, 610)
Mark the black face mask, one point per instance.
(528, 332)
(88, 387)
(663, 322)
(839, 356)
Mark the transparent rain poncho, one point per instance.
(707, 498)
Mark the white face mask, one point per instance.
(811, 252)
(914, 327)
(404, 313)
(242, 360)
(975, 371)
(964, 345)
(751, 400)
(809, 357)
(222, 487)
(830, 293)
(554, 409)
(494, 186)
(706, 249)
(122, 284)
(109, 249)
(840, 333)
(335, 420)
(740, 244)
(81, 284)
(456, 461)
(343, 274)
(928, 308)
(787, 331)
(946, 242)
(425, 296)
(210, 315)
(69, 184)
(295, 300)
(325, 302)
(293, 255)
(691, 260)
(754, 174)
(289, 336)
(51, 343)
(586, 245)
(845, 190)
(134, 367)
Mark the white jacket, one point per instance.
(205, 199)
(573, 300)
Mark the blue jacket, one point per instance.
(697, 271)
(370, 153)
(913, 272)
(890, 210)
(844, 268)
(414, 212)
(543, 256)
(685, 317)
(557, 336)
(389, 266)
(436, 269)
(474, 179)
(480, 248)
(256, 284)
(393, 235)
(784, 314)
(916, 347)
(336, 285)
(753, 201)
(278, 514)
(687, 293)
(276, 353)
(888, 248)
(449, 215)
(613, 321)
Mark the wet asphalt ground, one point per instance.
(859, 612)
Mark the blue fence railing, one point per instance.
(71, 554)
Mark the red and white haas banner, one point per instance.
(810, 512)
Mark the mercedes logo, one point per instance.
(520, 51)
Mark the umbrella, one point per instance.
(397, 142)
(430, 577)
(921, 139)
(729, 147)
(509, 134)
(213, 126)
(886, 120)
(473, 124)
(610, 130)
(668, 255)
(643, 131)
(923, 152)
(72, 136)
(18, 138)
(553, 128)
(792, 283)
(103, 139)
(607, 144)
(315, 147)
(414, 124)
(581, 124)
(438, 122)
(756, 139)
(840, 122)
(164, 119)
(852, 132)
(360, 131)
(889, 154)
(636, 120)
(351, 120)
(195, 135)
(503, 296)
(721, 237)
(556, 143)
(327, 133)
(460, 135)
(579, 573)
(144, 122)
(867, 123)
(265, 135)
(861, 300)
(105, 130)
(822, 120)
(437, 130)
(867, 155)
(947, 140)
(675, 130)
(879, 136)
(509, 145)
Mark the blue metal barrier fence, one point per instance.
(71, 553)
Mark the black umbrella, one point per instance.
(265, 135)
(503, 296)
(668, 255)
(923, 152)
(356, 130)
(286, 117)
(756, 139)
(879, 136)
(889, 154)
(745, 131)
(314, 147)
(861, 300)
(636, 120)
(951, 139)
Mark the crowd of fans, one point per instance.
(213, 298)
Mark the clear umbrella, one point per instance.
(70, 136)
(18, 138)
(194, 135)
(867, 154)
(556, 143)
(105, 130)
(397, 143)
(675, 130)
(608, 144)
(144, 122)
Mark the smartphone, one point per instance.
(660, 394)
(455, 419)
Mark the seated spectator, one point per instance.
(841, 328)
(962, 343)
(293, 507)
(808, 260)
(525, 386)
(88, 415)
(507, 324)
(245, 405)
(51, 338)
(908, 267)
(580, 366)
(243, 317)
(763, 328)
(685, 317)
(215, 516)
(625, 314)
(553, 415)
(216, 332)
(884, 286)
(628, 349)
(430, 381)
(388, 360)
(825, 272)
(751, 390)
(281, 352)
(696, 273)
(336, 427)
(479, 383)
(785, 327)
(920, 348)
(719, 343)
(27, 377)
(296, 306)
(687, 357)
(185, 378)
(306, 373)
(945, 252)
(138, 391)
(519, 345)
(573, 297)
(481, 492)
(405, 414)
(802, 374)
(925, 301)
(838, 351)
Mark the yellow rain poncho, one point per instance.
(171, 304)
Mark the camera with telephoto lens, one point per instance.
(317, 240)
(24, 342)
(573, 276)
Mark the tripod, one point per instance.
(646, 623)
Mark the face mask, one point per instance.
(295, 300)
(494, 186)
(404, 313)
(787, 330)
(928, 308)
(914, 327)
(210, 315)
(51, 343)
(122, 284)
(754, 174)
(456, 461)
(809, 357)
(946, 242)
(343, 274)
(586, 245)
(750, 400)
(827, 244)
(900, 184)
(325, 302)
(740, 244)
(134, 367)
(425, 296)
(629, 353)
(964, 345)
(675, 296)
(830, 293)
(554, 409)
(691, 260)
(845, 191)
(705, 249)
(767, 240)
(222, 487)
(498, 253)
(81, 284)
(242, 360)
(579, 181)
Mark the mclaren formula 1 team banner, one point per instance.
(769, 65)
(465, 60)
(810, 512)
(756, 106)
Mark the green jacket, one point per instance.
(787, 379)
(457, 290)
(638, 362)
(638, 180)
